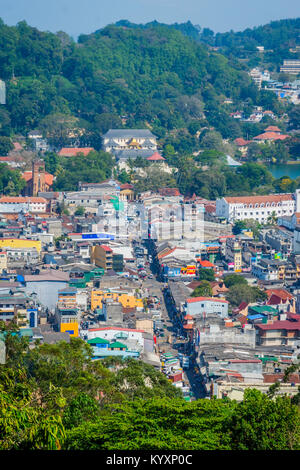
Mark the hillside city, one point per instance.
(169, 246)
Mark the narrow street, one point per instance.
(171, 342)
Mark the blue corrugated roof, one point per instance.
(254, 317)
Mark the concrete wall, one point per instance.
(47, 291)
(208, 307)
(241, 367)
(228, 336)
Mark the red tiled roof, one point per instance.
(210, 208)
(293, 316)
(206, 264)
(19, 199)
(7, 159)
(282, 293)
(126, 186)
(241, 142)
(259, 199)
(272, 129)
(155, 157)
(72, 152)
(242, 361)
(188, 327)
(193, 284)
(162, 255)
(188, 317)
(275, 300)
(106, 248)
(271, 378)
(17, 146)
(211, 299)
(169, 192)
(280, 325)
(27, 175)
(270, 136)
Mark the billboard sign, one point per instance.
(98, 236)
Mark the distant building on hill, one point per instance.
(129, 143)
(73, 151)
(291, 66)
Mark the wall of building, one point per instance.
(207, 307)
(47, 291)
(20, 243)
(126, 300)
(71, 328)
(215, 335)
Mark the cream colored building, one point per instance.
(235, 391)
(3, 261)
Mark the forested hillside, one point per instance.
(277, 37)
(164, 77)
(153, 76)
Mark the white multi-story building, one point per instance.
(259, 208)
(26, 204)
(291, 66)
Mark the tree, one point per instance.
(212, 140)
(206, 274)
(294, 116)
(285, 184)
(157, 423)
(238, 227)
(26, 422)
(203, 290)
(92, 168)
(11, 182)
(239, 293)
(155, 179)
(6, 145)
(263, 423)
(234, 279)
(79, 211)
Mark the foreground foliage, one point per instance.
(56, 397)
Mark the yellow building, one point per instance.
(129, 301)
(145, 324)
(20, 243)
(71, 328)
(237, 254)
(22, 318)
(3, 260)
(102, 256)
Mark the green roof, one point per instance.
(267, 358)
(118, 345)
(26, 332)
(98, 341)
(263, 309)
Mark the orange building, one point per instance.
(37, 180)
(127, 300)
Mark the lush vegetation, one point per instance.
(11, 182)
(55, 397)
(92, 168)
(151, 75)
(163, 77)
